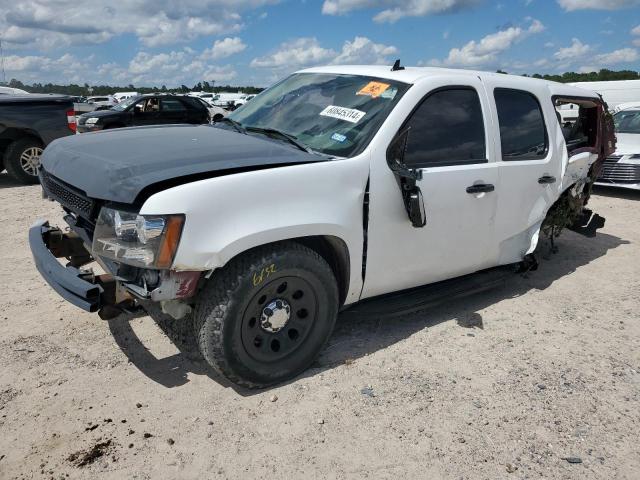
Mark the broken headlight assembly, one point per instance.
(147, 241)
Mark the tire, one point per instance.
(22, 159)
(265, 316)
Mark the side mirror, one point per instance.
(407, 177)
(415, 208)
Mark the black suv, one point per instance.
(146, 110)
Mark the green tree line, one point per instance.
(86, 90)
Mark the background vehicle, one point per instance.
(12, 91)
(146, 110)
(102, 103)
(215, 113)
(120, 96)
(622, 169)
(28, 123)
(336, 185)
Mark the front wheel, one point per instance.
(266, 316)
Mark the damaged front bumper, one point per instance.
(74, 285)
(108, 293)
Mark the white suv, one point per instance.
(336, 185)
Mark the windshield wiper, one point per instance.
(235, 124)
(286, 136)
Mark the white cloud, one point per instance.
(364, 51)
(295, 54)
(224, 48)
(636, 33)
(307, 52)
(623, 55)
(571, 5)
(486, 51)
(54, 23)
(576, 51)
(394, 10)
(169, 68)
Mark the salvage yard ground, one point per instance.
(540, 379)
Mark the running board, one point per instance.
(416, 299)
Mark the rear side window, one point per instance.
(446, 129)
(171, 105)
(522, 132)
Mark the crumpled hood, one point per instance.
(628, 143)
(118, 164)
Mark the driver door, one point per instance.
(450, 143)
(146, 112)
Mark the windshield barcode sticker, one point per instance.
(347, 114)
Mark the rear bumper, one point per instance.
(67, 281)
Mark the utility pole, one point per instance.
(4, 76)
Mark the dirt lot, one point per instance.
(513, 383)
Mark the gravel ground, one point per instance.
(539, 379)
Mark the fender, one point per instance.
(228, 215)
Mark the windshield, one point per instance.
(329, 113)
(627, 121)
(120, 107)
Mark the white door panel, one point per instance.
(458, 237)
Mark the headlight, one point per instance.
(91, 121)
(147, 241)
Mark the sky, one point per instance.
(256, 42)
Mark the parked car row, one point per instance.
(29, 122)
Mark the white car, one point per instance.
(102, 102)
(121, 96)
(336, 185)
(622, 169)
(215, 113)
(12, 91)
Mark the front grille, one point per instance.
(615, 172)
(67, 196)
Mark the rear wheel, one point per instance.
(22, 159)
(265, 317)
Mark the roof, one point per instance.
(414, 74)
(34, 97)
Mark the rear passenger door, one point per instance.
(450, 142)
(530, 165)
(172, 110)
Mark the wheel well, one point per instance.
(12, 134)
(336, 254)
(217, 117)
(333, 250)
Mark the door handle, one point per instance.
(545, 179)
(480, 188)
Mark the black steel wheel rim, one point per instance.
(264, 342)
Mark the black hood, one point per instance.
(116, 165)
(100, 114)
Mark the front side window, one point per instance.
(627, 121)
(447, 128)
(522, 132)
(330, 113)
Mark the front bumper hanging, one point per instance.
(79, 288)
